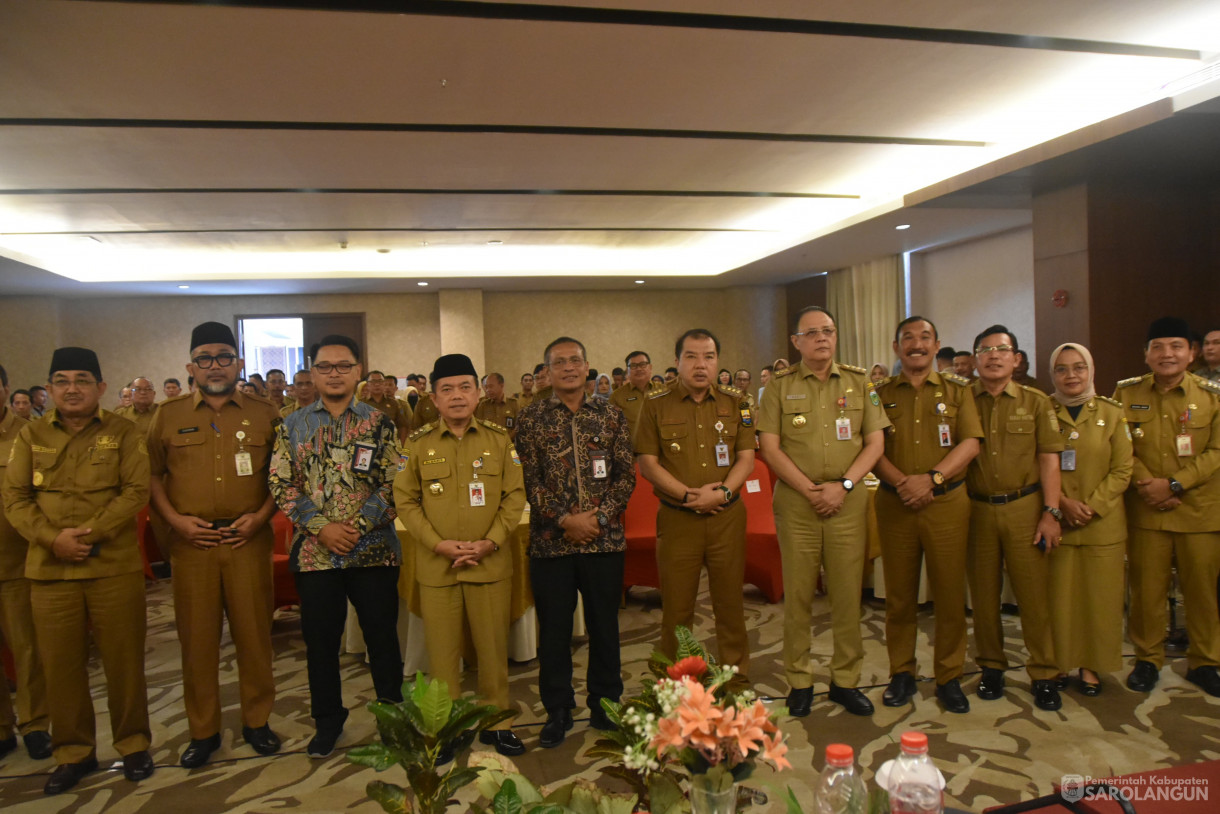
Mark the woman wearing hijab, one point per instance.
(878, 373)
(779, 364)
(1087, 568)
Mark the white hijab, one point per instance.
(1089, 393)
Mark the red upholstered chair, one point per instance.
(764, 568)
(285, 588)
(144, 534)
(640, 525)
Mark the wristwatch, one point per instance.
(1053, 512)
(728, 493)
(1176, 487)
(602, 520)
(848, 483)
(937, 478)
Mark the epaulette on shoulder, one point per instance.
(1109, 400)
(729, 389)
(853, 368)
(656, 394)
(1035, 390)
(1134, 380)
(956, 379)
(422, 431)
(492, 425)
(788, 371)
(1207, 384)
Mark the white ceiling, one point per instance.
(143, 145)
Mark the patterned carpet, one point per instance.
(1001, 752)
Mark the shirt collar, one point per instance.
(805, 371)
(1012, 389)
(236, 397)
(52, 415)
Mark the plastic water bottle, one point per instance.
(840, 791)
(914, 783)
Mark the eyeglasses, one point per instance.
(1080, 369)
(80, 383)
(326, 367)
(574, 361)
(815, 332)
(204, 361)
(994, 349)
(638, 365)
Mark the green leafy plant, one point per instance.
(415, 734)
(510, 792)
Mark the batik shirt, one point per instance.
(317, 478)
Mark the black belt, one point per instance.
(936, 490)
(224, 522)
(667, 504)
(1000, 498)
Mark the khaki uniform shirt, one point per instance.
(1017, 426)
(425, 412)
(630, 400)
(682, 433)
(290, 408)
(543, 394)
(803, 410)
(913, 444)
(1156, 420)
(142, 420)
(433, 496)
(195, 450)
(394, 409)
(13, 546)
(503, 413)
(1103, 464)
(97, 478)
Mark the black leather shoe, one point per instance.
(951, 696)
(1144, 676)
(198, 751)
(138, 766)
(598, 719)
(1205, 678)
(800, 701)
(1090, 688)
(67, 775)
(505, 740)
(851, 699)
(1046, 695)
(555, 729)
(902, 689)
(1061, 681)
(8, 744)
(323, 742)
(264, 741)
(991, 685)
(38, 744)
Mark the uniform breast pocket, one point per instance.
(674, 431)
(731, 425)
(259, 447)
(491, 466)
(102, 470)
(1021, 435)
(796, 419)
(946, 416)
(186, 450)
(435, 479)
(1199, 426)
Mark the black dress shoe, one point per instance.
(1143, 677)
(8, 744)
(991, 685)
(951, 696)
(264, 741)
(1206, 678)
(1046, 695)
(1090, 688)
(555, 729)
(1061, 681)
(901, 689)
(67, 775)
(38, 744)
(851, 699)
(598, 719)
(138, 766)
(198, 751)
(800, 701)
(505, 740)
(323, 742)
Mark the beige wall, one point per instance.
(965, 288)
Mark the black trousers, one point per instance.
(599, 578)
(324, 597)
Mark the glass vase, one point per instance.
(704, 799)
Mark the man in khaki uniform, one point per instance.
(143, 404)
(695, 448)
(496, 408)
(821, 426)
(922, 513)
(375, 394)
(304, 391)
(631, 396)
(209, 454)
(526, 394)
(1014, 516)
(460, 496)
(1173, 506)
(277, 382)
(425, 412)
(17, 620)
(74, 483)
(542, 383)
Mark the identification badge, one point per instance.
(1067, 460)
(600, 470)
(1185, 446)
(722, 454)
(477, 496)
(946, 438)
(245, 466)
(362, 458)
(843, 429)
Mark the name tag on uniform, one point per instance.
(477, 496)
(946, 438)
(1067, 460)
(843, 429)
(722, 454)
(362, 457)
(600, 470)
(1185, 446)
(245, 466)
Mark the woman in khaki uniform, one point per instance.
(1087, 568)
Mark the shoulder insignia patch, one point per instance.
(1208, 385)
(730, 389)
(422, 431)
(788, 371)
(658, 393)
(956, 379)
(492, 425)
(1109, 400)
(1132, 381)
(853, 368)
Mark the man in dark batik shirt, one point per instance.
(579, 475)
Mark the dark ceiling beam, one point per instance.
(595, 193)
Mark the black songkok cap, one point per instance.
(452, 364)
(1169, 327)
(212, 333)
(75, 359)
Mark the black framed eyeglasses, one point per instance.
(204, 361)
(326, 367)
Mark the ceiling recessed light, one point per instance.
(184, 286)
(495, 243)
(902, 226)
(421, 283)
(639, 282)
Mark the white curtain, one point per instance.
(866, 300)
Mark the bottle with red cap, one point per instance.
(914, 783)
(840, 791)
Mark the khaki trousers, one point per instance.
(210, 585)
(64, 610)
(937, 534)
(686, 542)
(1002, 537)
(1151, 556)
(17, 630)
(807, 543)
(445, 611)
